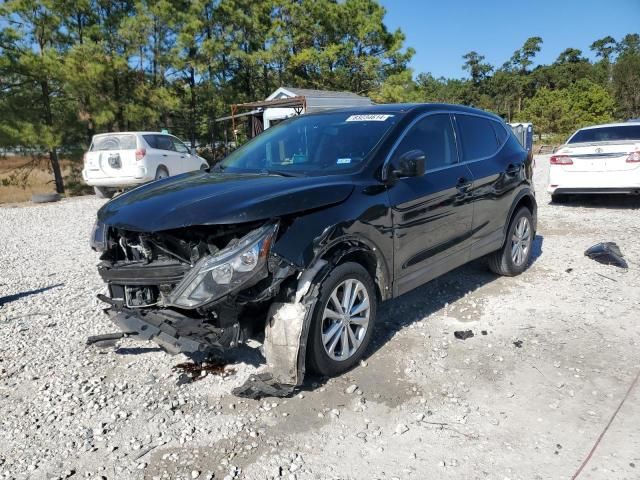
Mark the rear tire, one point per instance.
(104, 192)
(330, 325)
(514, 256)
(162, 172)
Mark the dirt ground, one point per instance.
(553, 354)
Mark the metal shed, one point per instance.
(315, 101)
(286, 102)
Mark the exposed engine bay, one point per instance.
(194, 290)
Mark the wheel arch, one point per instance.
(164, 167)
(525, 198)
(364, 253)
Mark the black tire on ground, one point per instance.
(558, 198)
(45, 197)
(501, 261)
(162, 172)
(318, 360)
(104, 192)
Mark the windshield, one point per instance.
(606, 134)
(312, 145)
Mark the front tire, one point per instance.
(514, 256)
(104, 192)
(343, 319)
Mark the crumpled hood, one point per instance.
(202, 198)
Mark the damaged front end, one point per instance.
(196, 290)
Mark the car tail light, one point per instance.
(561, 160)
(84, 157)
(140, 153)
(634, 157)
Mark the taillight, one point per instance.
(84, 157)
(561, 160)
(634, 157)
(140, 153)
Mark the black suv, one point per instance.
(301, 232)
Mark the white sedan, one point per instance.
(598, 159)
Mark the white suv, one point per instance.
(598, 159)
(124, 159)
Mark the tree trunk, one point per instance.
(48, 118)
(55, 166)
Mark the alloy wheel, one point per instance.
(521, 241)
(345, 319)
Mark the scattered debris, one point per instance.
(351, 389)
(483, 332)
(263, 385)
(105, 339)
(569, 270)
(518, 343)
(463, 334)
(608, 278)
(197, 371)
(401, 428)
(607, 253)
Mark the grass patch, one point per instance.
(22, 176)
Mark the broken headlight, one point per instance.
(229, 269)
(99, 236)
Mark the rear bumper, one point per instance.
(604, 191)
(175, 333)
(563, 181)
(94, 179)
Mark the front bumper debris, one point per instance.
(176, 333)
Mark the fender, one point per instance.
(526, 191)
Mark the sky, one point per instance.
(441, 31)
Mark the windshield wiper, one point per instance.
(266, 171)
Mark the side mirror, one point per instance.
(411, 164)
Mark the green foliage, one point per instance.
(70, 69)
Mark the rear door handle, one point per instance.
(463, 184)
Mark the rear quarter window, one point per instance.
(501, 132)
(151, 140)
(113, 142)
(478, 137)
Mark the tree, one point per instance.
(478, 70)
(548, 111)
(522, 58)
(626, 84)
(31, 56)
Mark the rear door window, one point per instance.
(164, 142)
(113, 142)
(478, 137)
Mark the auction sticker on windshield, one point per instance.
(368, 118)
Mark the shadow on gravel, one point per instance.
(18, 296)
(428, 299)
(613, 202)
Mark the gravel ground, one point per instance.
(554, 352)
